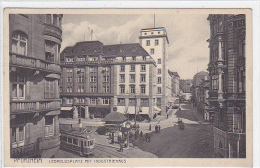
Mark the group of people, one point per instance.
(157, 128)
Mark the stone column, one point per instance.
(75, 112)
(86, 112)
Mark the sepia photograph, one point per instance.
(156, 84)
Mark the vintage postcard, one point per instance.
(128, 87)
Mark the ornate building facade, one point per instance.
(34, 53)
(227, 84)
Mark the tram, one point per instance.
(77, 140)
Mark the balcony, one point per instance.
(26, 151)
(86, 94)
(33, 63)
(52, 30)
(30, 106)
(88, 62)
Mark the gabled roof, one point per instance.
(124, 50)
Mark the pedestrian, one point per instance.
(141, 134)
(119, 138)
(150, 127)
(159, 128)
(112, 141)
(156, 128)
(146, 137)
(121, 147)
(167, 116)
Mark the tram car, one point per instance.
(77, 140)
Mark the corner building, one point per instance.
(228, 84)
(34, 84)
(98, 79)
(155, 42)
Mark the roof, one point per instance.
(115, 117)
(173, 73)
(132, 49)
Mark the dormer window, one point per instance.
(151, 32)
(134, 58)
(144, 58)
(159, 32)
(124, 58)
(83, 51)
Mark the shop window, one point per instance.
(19, 43)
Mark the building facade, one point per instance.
(197, 79)
(98, 79)
(34, 53)
(186, 85)
(155, 42)
(227, 84)
(175, 81)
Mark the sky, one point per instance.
(187, 34)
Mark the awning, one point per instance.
(156, 109)
(66, 108)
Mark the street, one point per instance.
(195, 141)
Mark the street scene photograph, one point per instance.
(127, 85)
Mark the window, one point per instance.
(70, 100)
(132, 68)
(134, 58)
(106, 89)
(81, 75)
(93, 78)
(159, 61)
(93, 89)
(144, 58)
(51, 51)
(132, 89)
(143, 89)
(143, 68)
(80, 89)
(69, 75)
(122, 78)
(156, 42)
(81, 100)
(50, 88)
(106, 100)
(214, 82)
(122, 88)
(147, 42)
(143, 78)
(159, 71)
(159, 80)
(145, 102)
(121, 100)
(19, 43)
(18, 87)
(124, 58)
(17, 135)
(105, 69)
(69, 140)
(159, 90)
(75, 142)
(93, 58)
(241, 80)
(122, 68)
(132, 102)
(92, 69)
(132, 78)
(152, 51)
(93, 100)
(105, 78)
(69, 89)
(49, 125)
(69, 59)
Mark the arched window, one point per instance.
(19, 43)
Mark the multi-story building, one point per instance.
(227, 84)
(155, 42)
(34, 84)
(186, 85)
(135, 80)
(197, 79)
(175, 81)
(88, 78)
(98, 79)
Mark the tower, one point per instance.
(155, 42)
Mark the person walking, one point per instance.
(156, 128)
(150, 127)
(121, 147)
(141, 134)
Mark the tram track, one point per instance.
(101, 148)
